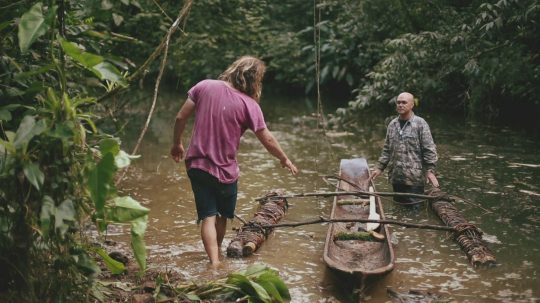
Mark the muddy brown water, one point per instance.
(496, 168)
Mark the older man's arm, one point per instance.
(384, 159)
(429, 154)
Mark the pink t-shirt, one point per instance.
(222, 115)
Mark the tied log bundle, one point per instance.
(252, 234)
(467, 235)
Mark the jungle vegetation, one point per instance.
(64, 65)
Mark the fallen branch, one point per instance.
(360, 193)
(444, 196)
(393, 222)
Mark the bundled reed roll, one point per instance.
(251, 235)
(467, 235)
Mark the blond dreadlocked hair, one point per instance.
(246, 74)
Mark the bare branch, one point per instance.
(393, 222)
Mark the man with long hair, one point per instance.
(224, 109)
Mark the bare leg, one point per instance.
(221, 229)
(209, 238)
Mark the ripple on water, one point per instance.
(490, 238)
(300, 295)
(451, 285)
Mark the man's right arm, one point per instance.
(177, 149)
(429, 155)
(384, 158)
(272, 146)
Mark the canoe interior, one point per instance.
(356, 256)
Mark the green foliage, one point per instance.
(219, 32)
(96, 64)
(360, 235)
(56, 167)
(98, 180)
(473, 57)
(257, 283)
(34, 24)
(114, 266)
(223, 32)
(478, 58)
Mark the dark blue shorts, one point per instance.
(402, 188)
(212, 198)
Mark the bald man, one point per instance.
(409, 152)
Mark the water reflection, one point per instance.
(499, 171)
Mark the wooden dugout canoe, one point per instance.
(357, 257)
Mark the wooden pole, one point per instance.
(393, 222)
(360, 193)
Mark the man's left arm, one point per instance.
(272, 146)
(429, 155)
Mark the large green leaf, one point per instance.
(261, 293)
(125, 209)
(277, 282)
(63, 130)
(24, 132)
(5, 115)
(271, 290)
(121, 158)
(138, 228)
(99, 181)
(95, 63)
(248, 287)
(87, 59)
(114, 266)
(64, 212)
(242, 282)
(8, 146)
(256, 270)
(107, 71)
(34, 24)
(27, 130)
(261, 283)
(109, 145)
(34, 175)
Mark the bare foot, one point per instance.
(214, 265)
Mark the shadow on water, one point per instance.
(498, 169)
